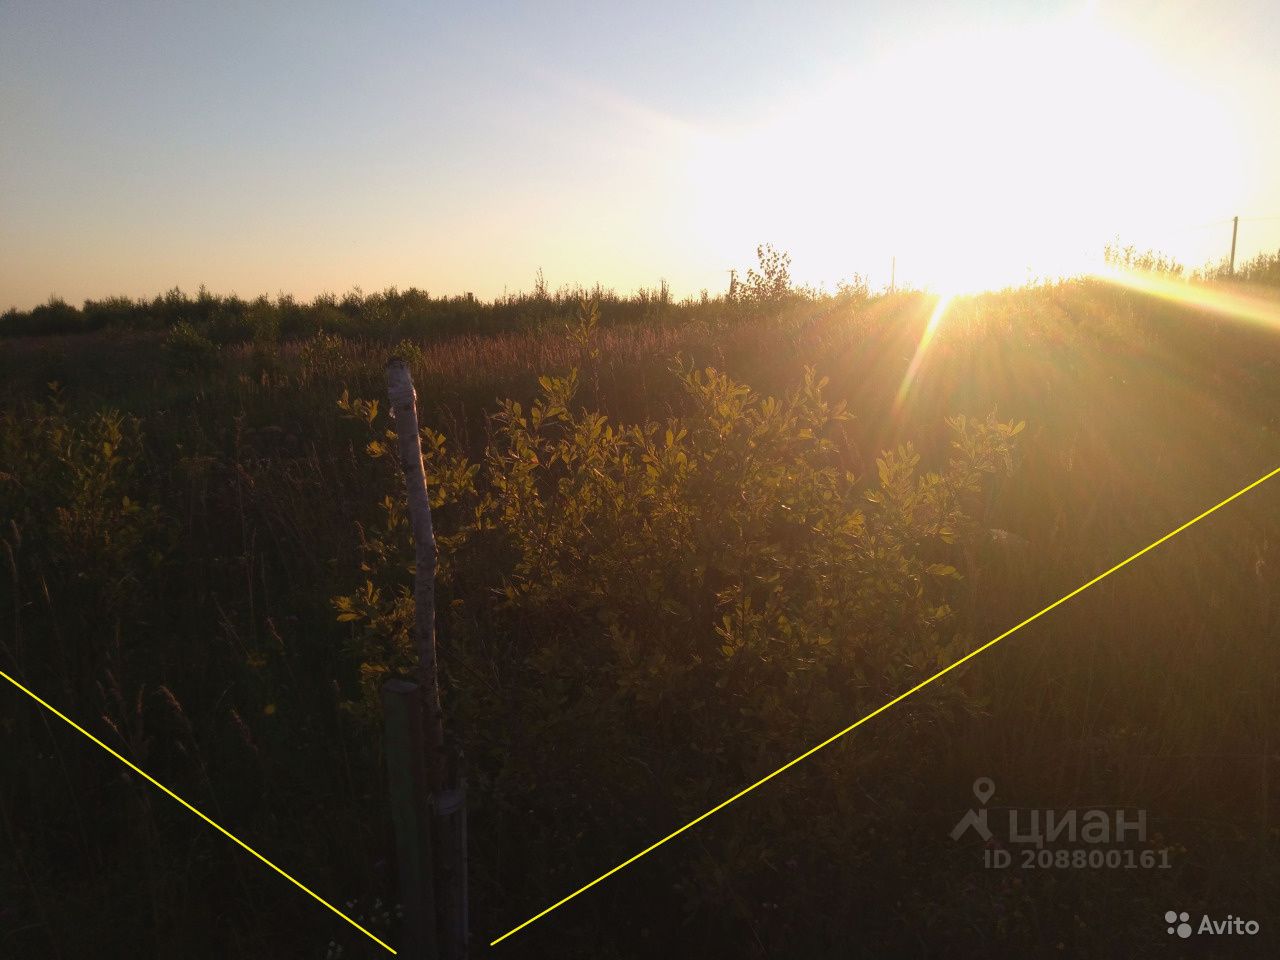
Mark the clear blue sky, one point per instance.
(300, 147)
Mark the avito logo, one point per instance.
(1183, 929)
(1178, 923)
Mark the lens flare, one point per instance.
(917, 360)
(1223, 299)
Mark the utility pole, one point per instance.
(893, 274)
(1235, 224)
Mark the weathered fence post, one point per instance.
(407, 778)
(404, 409)
(449, 816)
(439, 796)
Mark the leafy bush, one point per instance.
(68, 488)
(411, 352)
(703, 595)
(55, 316)
(189, 351)
(771, 283)
(323, 356)
(231, 322)
(113, 312)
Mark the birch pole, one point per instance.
(404, 410)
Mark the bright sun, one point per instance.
(978, 160)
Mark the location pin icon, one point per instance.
(984, 789)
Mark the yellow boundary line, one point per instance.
(879, 710)
(226, 833)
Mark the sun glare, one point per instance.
(978, 161)
(922, 349)
(1240, 305)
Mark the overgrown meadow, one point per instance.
(681, 542)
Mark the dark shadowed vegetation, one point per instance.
(681, 542)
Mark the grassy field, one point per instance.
(203, 552)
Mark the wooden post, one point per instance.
(1235, 225)
(404, 408)
(449, 813)
(407, 776)
(431, 809)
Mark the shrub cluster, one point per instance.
(677, 605)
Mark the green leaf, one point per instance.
(882, 467)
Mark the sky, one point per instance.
(303, 147)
